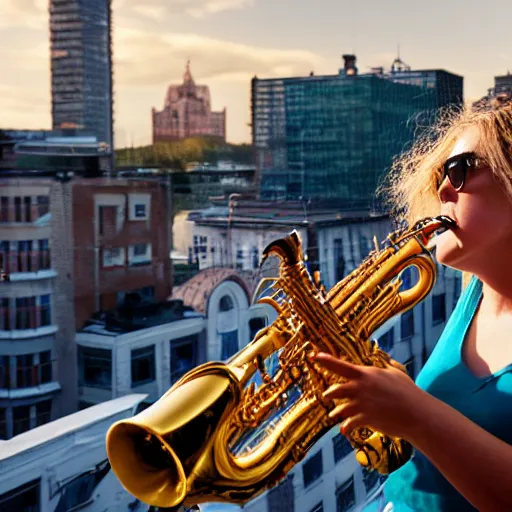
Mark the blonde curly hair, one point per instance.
(411, 188)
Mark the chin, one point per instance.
(448, 249)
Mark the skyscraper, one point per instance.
(332, 138)
(81, 64)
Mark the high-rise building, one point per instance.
(333, 137)
(187, 113)
(503, 83)
(81, 65)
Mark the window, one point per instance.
(338, 260)
(5, 264)
(3, 428)
(139, 206)
(140, 254)
(79, 491)
(407, 324)
(43, 205)
(140, 211)
(281, 498)
(319, 507)
(184, 356)
(370, 479)
(107, 220)
(255, 325)
(386, 340)
(25, 312)
(364, 247)
(5, 372)
(143, 365)
(21, 419)
(43, 412)
(27, 203)
(113, 257)
(5, 314)
(17, 209)
(345, 496)
(229, 344)
(438, 309)
(341, 447)
(95, 367)
(255, 258)
(312, 469)
(4, 209)
(25, 256)
(26, 372)
(46, 311)
(45, 366)
(226, 303)
(25, 497)
(44, 255)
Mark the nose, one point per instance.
(446, 192)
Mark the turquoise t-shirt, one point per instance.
(487, 401)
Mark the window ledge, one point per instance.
(42, 389)
(314, 484)
(31, 276)
(19, 334)
(142, 383)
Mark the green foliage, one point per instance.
(178, 154)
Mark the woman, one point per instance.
(458, 415)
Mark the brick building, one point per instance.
(122, 231)
(187, 113)
(72, 248)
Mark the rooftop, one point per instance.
(197, 290)
(137, 313)
(291, 213)
(67, 425)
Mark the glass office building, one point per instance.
(332, 138)
(81, 65)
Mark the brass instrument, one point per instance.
(229, 431)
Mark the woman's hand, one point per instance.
(386, 400)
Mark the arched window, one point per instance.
(226, 303)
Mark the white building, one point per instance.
(63, 466)
(116, 360)
(33, 315)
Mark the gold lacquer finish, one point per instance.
(229, 431)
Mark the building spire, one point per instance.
(187, 77)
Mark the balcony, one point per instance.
(31, 380)
(26, 265)
(26, 317)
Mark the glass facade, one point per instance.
(334, 137)
(80, 33)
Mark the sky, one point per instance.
(230, 41)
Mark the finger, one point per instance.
(335, 365)
(351, 423)
(343, 411)
(341, 390)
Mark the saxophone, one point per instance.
(228, 431)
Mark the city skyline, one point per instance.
(230, 41)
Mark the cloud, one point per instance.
(160, 9)
(150, 58)
(24, 13)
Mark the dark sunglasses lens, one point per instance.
(456, 171)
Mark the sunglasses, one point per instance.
(456, 167)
